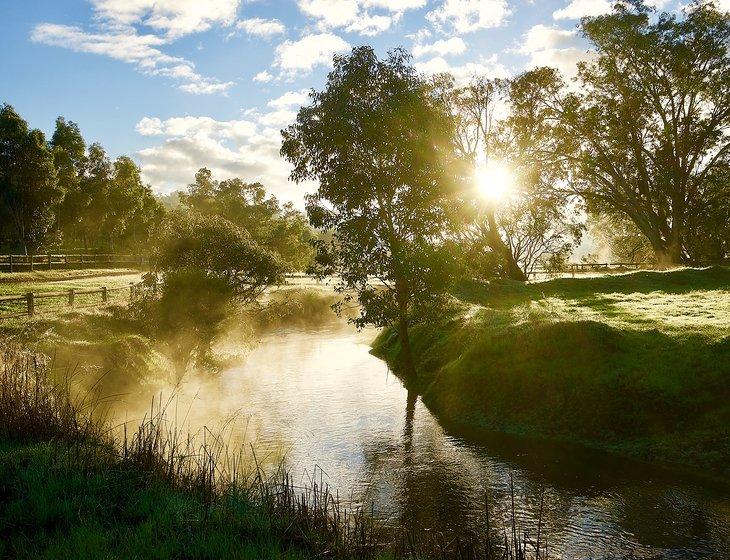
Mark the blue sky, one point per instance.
(181, 84)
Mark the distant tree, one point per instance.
(69, 157)
(649, 125)
(170, 201)
(380, 144)
(621, 238)
(95, 188)
(539, 223)
(29, 190)
(206, 264)
(532, 224)
(280, 228)
(708, 229)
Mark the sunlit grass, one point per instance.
(636, 363)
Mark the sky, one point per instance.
(182, 84)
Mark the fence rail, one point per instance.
(54, 261)
(32, 303)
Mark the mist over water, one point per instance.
(316, 399)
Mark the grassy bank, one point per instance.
(638, 364)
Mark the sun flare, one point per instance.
(494, 181)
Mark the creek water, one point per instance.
(318, 399)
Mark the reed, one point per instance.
(225, 484)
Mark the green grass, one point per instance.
(52, 509)
(638, 363)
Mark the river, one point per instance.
(319, 400)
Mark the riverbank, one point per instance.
(71, 487)
(636, 364)
(75, 486)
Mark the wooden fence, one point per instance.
(583, 268)
(52, 261)
(32, 303)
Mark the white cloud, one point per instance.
(248, 149)
(203, 127)
(442, 47)
(175, 18)
(464, 16)
(263, 77)
(117, 35)
(296, 58)
(290, 99)
(577, 9)
(552, 46)
(127, 46)
(463, 73)
(367, 17)
(261, 27)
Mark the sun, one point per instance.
(494, 181)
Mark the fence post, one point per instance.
(31, 262)
(49, 261)
(10, 260)
(104, 294)
(131, 291)
(29, 299)
(71, 294)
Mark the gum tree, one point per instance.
(380, 145)
(649, 126)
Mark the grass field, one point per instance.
(636, 363)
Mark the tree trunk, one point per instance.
(405, 341)
(668, 256)
(514, 272)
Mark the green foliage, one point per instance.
(280, 228)
(380, 144)
(63, 193)
(207, 265)
(29, 190)
(647, 129)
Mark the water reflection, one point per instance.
(320, 399)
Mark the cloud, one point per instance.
(263, 77)
(127, 46)
(297, 58)
(176, 18)
(577, 9)
(555, 47)
(463, 73)
(290, 99)
(366, 17)
(261, 27)
(442, 47)
(117, 36)
(465, 16)
(247, 148)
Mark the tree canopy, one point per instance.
(278, 227)
(380, 145)
(648, 127)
